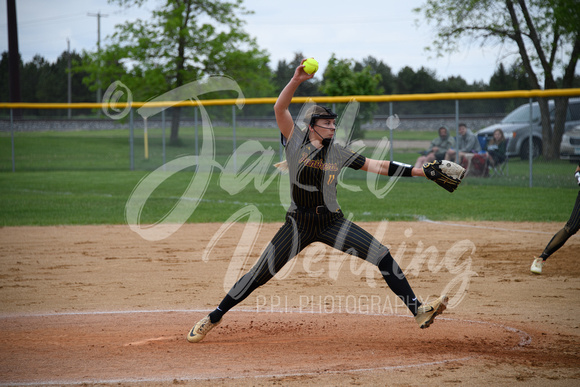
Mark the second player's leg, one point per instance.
(560, 238)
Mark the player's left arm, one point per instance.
(445, 173)
(388, 168)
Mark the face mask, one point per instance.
(327, 141)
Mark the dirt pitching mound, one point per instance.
(151, 346)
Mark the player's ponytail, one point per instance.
(282, 166)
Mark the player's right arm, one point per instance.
(283, 116)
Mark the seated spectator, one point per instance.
(467, 144)
(468, 147)
(496, 148)
(437, 149)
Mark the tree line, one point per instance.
(44, 81)
(187, 40)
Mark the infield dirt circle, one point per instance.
(101, 305)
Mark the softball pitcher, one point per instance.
(314, 162)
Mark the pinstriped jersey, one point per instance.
(314, 172)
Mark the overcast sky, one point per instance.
(383, 29)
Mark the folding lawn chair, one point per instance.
(500, 169)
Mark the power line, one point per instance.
(51, 19)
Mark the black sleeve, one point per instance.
(352, 159)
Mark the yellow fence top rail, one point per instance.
(318, 99)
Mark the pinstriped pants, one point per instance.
(302, 229)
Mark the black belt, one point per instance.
(320, 210)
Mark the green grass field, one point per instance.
(55, 198)
(85, 178)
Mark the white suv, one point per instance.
(570, 145)
(516, 127)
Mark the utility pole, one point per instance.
(13, 56)
(69, 77)
(98, 15)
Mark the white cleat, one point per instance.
(537, 265)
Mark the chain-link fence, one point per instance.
(228, 138)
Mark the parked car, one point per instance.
(570, 145)
(516, 127)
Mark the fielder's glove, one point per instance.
(445, 173)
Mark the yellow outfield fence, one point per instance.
(317, 99)
(153, 142)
